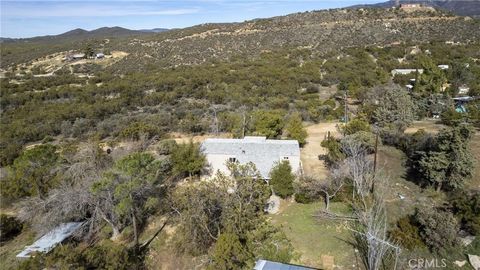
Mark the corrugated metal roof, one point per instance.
(51, 239)
(269, 265)
(258, 150)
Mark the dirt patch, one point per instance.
(429, 125)
(54, 62)
(183, 138)
(312, 165)
(474, 182)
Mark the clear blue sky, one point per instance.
(23, 18)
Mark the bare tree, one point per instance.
(315, 188)
(358, 167)
(73, 200)
(377, 251)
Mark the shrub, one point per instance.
(188, 159)
(466, 208)
(32, 173)
(135, 130)
(104, 255)
(365, 139)
(334, 153)
(304, 198)
(268, 123)
(281, 179)
(407, 233)
(166, 147)
(9, 227)
(438, 229)
(451, 117)
(295, 129)
(229, 253)
(355, 126)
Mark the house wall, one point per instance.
(294, 162)
(218, 162)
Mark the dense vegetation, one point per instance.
(93, 143)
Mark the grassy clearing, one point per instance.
(314, 238)
(10, 249)
(474, 182)
(161, 254)
(392, 162)
(429, 125)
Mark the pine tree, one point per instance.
(295, 129)
(187, 159)
(281, 179)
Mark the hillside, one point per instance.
(458, 7)
(322, 31)
(111, 141)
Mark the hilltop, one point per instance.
(458, 7)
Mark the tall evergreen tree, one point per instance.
(295, 129)
(450, 162)
(281, 179)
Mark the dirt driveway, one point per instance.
(309, 153)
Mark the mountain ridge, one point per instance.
(82, 33)
(457, 7)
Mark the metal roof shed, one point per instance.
(47, 242)
(269, 265)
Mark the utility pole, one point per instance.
(375, 157)
(345, 116)
(215, 121)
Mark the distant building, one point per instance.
(258, 150)
(444, 67)
(410, 6)
(269, 265)
(50, 240)
(463, 90)
(405, 71)
(78, 56)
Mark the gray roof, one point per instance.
(262, 152)
(269, 265)
(51, 239)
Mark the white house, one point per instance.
(463, 90)
(405, 71)
(78, 56)
(258, 150)
(443, 67)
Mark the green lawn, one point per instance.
(313, 237)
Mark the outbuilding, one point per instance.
(270, 265)
(50, 240)
(78, 56)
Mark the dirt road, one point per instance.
(309, 153)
